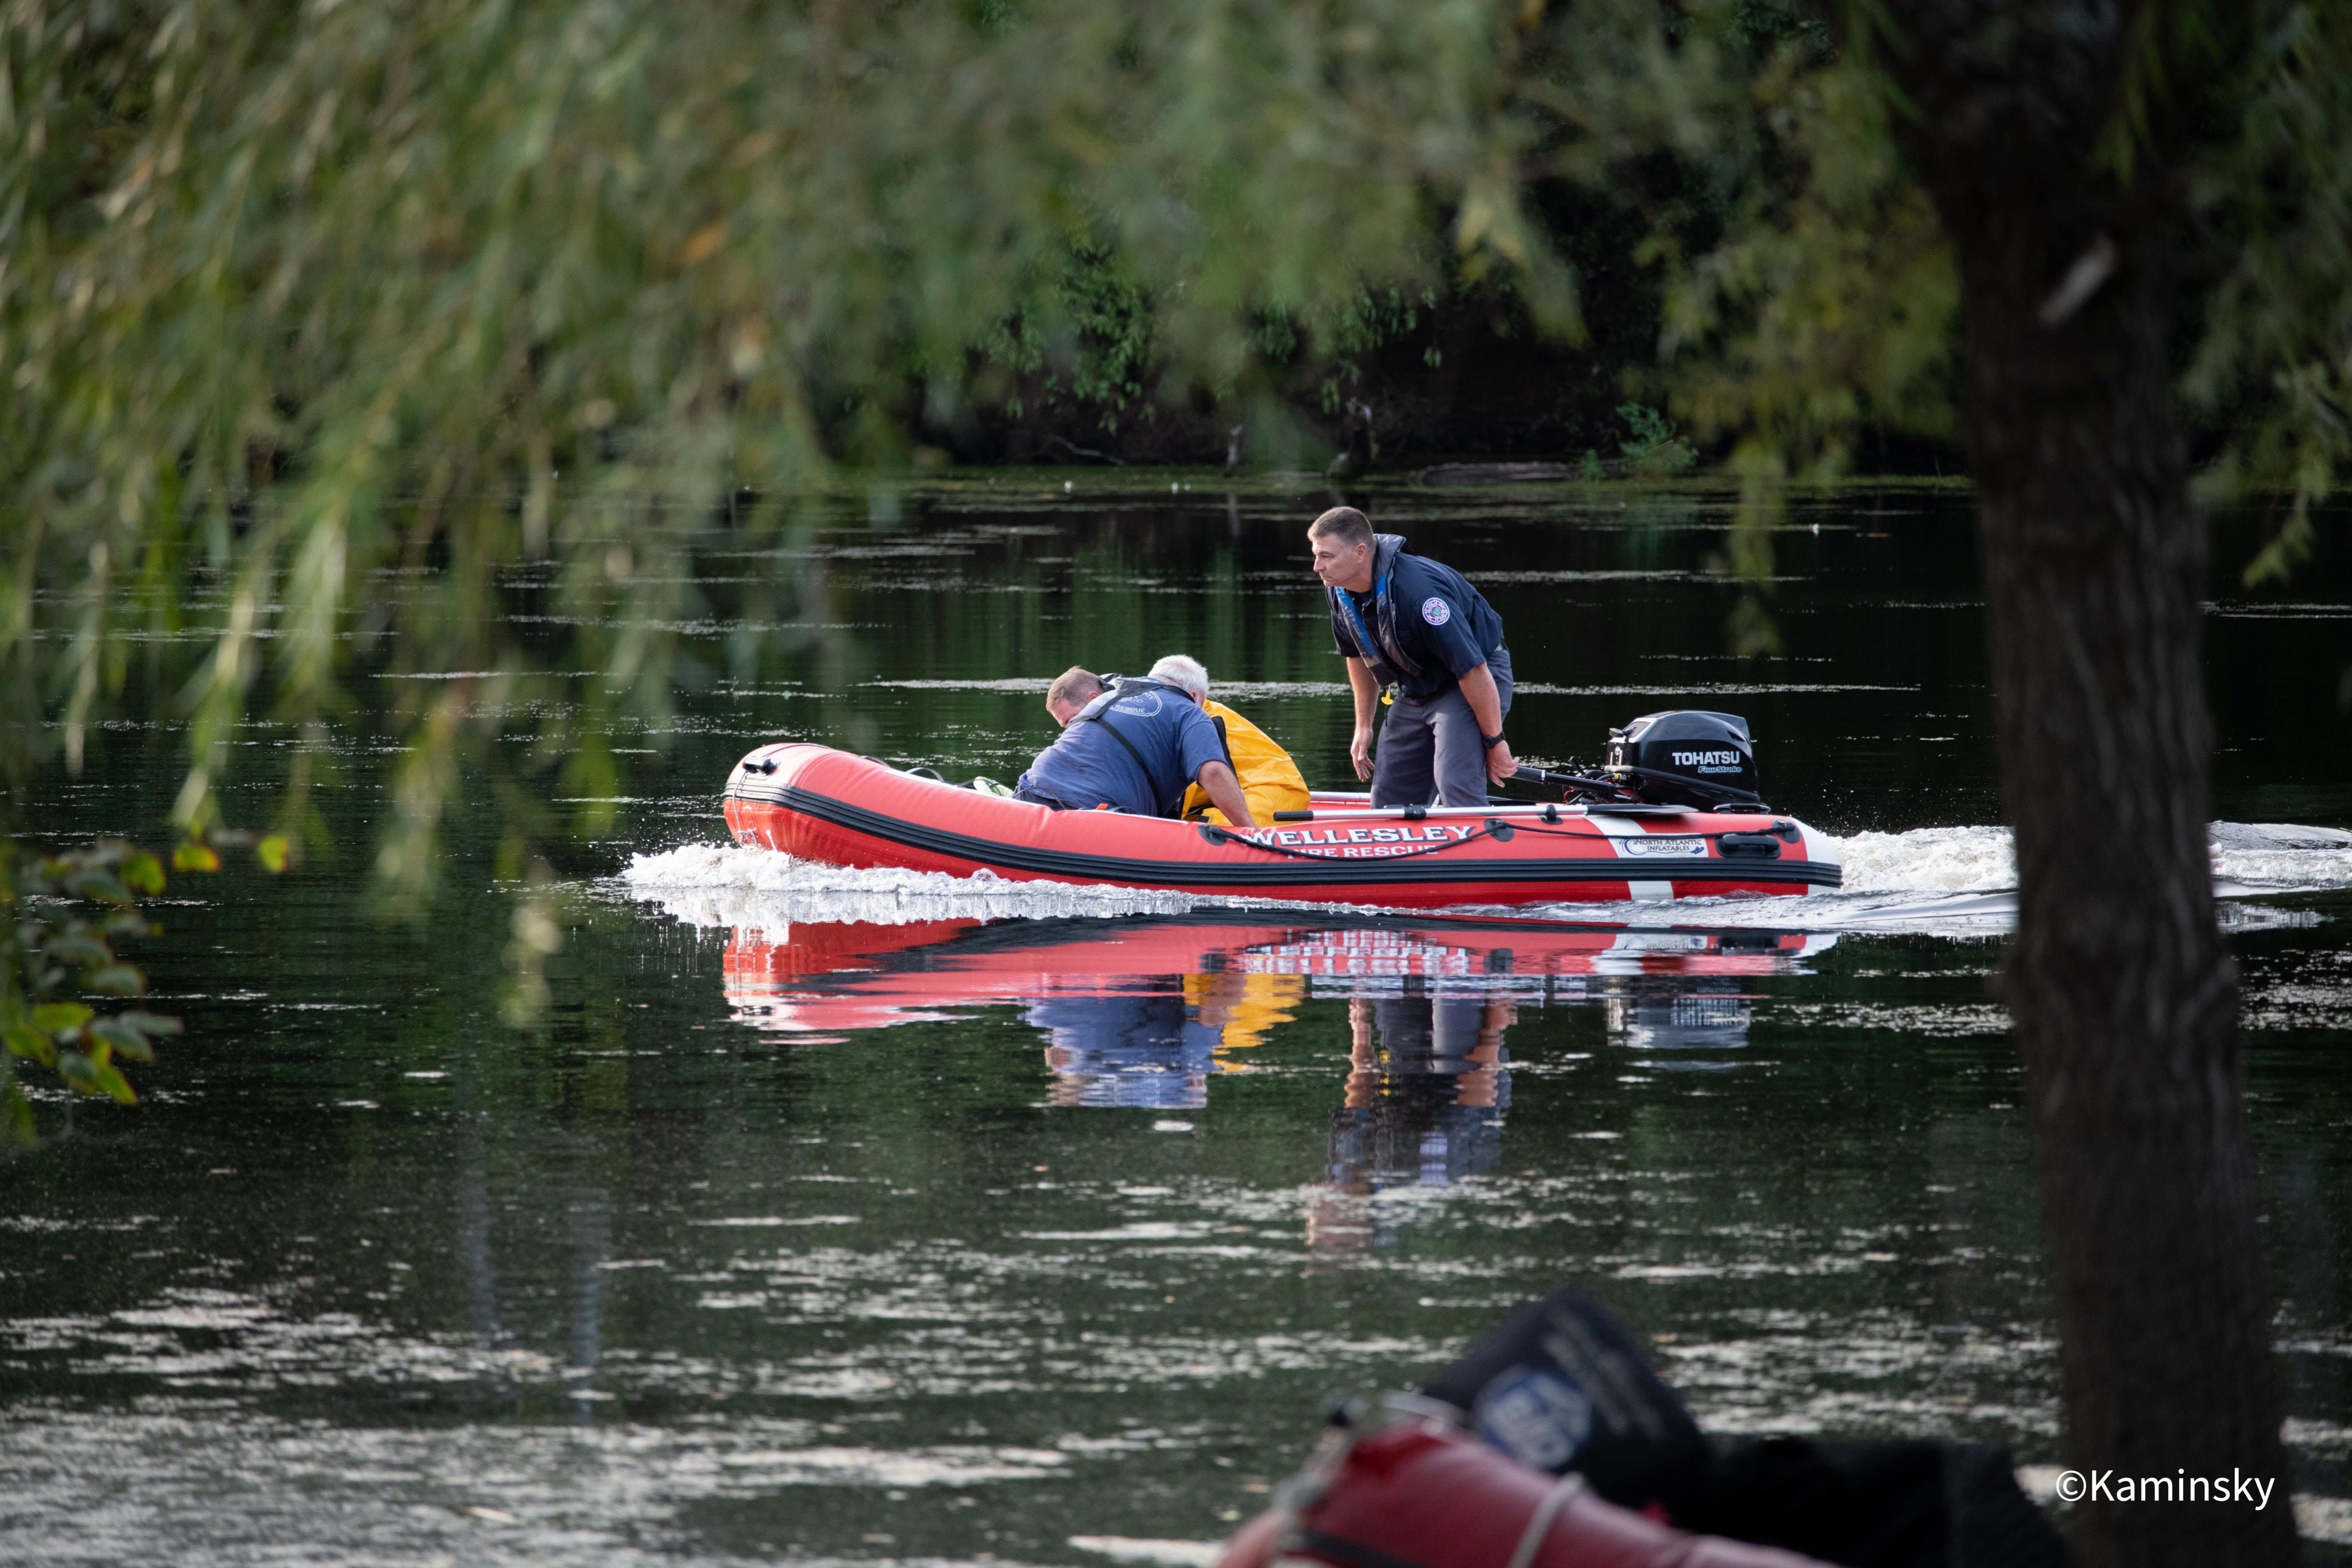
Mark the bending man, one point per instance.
(1418, 626)
(1131, 747)
(1270, 781)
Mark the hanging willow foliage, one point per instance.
(326, 318)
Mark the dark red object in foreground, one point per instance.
(1415, 1494)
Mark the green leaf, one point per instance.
(115, 980)
(193, 856)
(23, 1040)
(114, 1086)
(103, 886)
(152, 1025)
(142, 872)
(273, 852)
(124, 1039)
(56, 1018)
(80, 949)
(92, 1076)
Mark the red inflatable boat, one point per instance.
(821, 804)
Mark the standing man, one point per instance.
(1418, 627)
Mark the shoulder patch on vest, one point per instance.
(1436, 611)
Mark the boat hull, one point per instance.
(820, 804)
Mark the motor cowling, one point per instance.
(1685, 758)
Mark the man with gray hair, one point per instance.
(1270, 781)
(1133, 745)
(1183, 671)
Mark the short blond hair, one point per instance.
(1073, 687)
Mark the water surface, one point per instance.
(869, 1218)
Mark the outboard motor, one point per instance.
(1686, 758)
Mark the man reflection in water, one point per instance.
(1159, 1050)
(1125, 1050)
(1427, 1086)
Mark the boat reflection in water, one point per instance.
(1143, 1012)
(1712, 1014)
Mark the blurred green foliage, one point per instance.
(1656, 446)
(64, 915)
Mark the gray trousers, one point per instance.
(1429, 753)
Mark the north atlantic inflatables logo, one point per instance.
(1436, 611)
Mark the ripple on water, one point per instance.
(493, 1495)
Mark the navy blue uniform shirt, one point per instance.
(1443, 627)
(1087, 767)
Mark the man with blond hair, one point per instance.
(1270, 781)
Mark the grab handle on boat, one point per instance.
(1763, 846)
(1410, 813)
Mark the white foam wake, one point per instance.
(1930, 860)
(2248, 858)
(2274, 857)
(724, 884)
(1957, 882)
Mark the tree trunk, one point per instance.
(2123, 996)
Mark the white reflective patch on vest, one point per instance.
(1537, 1417)
(1436, 611)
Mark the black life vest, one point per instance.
(1382, 652)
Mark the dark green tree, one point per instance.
(2060, 176)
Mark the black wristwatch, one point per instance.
(1490, 741)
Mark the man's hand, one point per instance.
(1367, 693)
(1486, 700)
(1224, 792)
